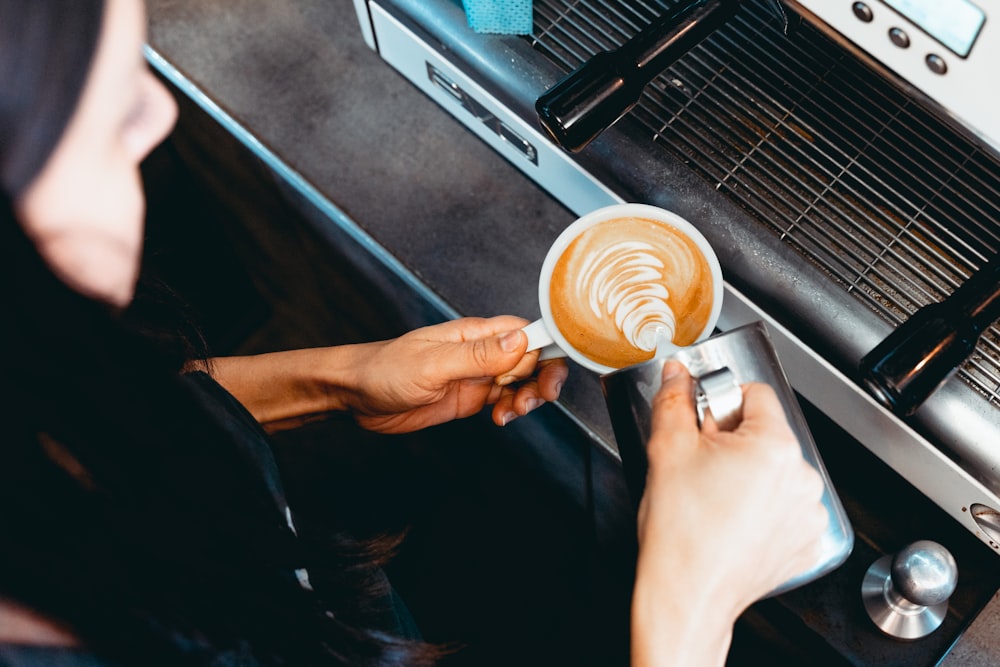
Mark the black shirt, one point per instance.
(255, 446)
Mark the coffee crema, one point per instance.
(623, 283)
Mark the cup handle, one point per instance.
(540, 339)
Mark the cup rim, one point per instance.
(603, 214)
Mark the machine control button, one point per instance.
(936, 63)
(863, 12)
(899, 37)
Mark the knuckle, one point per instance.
(785, 453)
(480, 353)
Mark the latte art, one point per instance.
(624, 284)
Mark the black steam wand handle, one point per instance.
(925, 350)
(602, 90)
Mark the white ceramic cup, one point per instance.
(545, 335)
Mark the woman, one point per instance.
(141, 514)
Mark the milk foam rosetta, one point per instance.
(622, 283)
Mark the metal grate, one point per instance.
(895, 206)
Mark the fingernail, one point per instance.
(534, 403)
(511, 340)
(508, 418)
(671, 369)
(505, 380)
(559, 386)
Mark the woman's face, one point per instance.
(85, 209)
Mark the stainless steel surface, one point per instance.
(749, 356)
(906, 595)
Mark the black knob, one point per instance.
(914, 360)
(606, 87)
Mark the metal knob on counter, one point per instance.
(906, 595)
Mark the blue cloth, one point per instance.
(502, 17)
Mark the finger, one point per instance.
(762, 410)
(504, 411)
(501, 323)
(523, 369)
(472, 329)
(528, 397)
(466, 329)
(673, 404)
(492, 356)
(674, 421)
(552, 375)
(544, 387)
(709, 426)
(517, 402)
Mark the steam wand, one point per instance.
(923, 352)
(602, 90)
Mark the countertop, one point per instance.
(466, 228)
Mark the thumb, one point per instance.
(484, 357)
(674, 419)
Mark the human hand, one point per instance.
(726, 518)
(451, 370)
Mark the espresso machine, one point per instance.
(843, 159)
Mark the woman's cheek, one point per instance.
(96, 246)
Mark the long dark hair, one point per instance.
(45, 51)
(125, 510)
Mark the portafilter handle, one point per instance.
(603, 89)
(914, 360)
(907, 595)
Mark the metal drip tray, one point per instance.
(895, 207)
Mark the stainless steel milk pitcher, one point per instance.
(719, 365)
